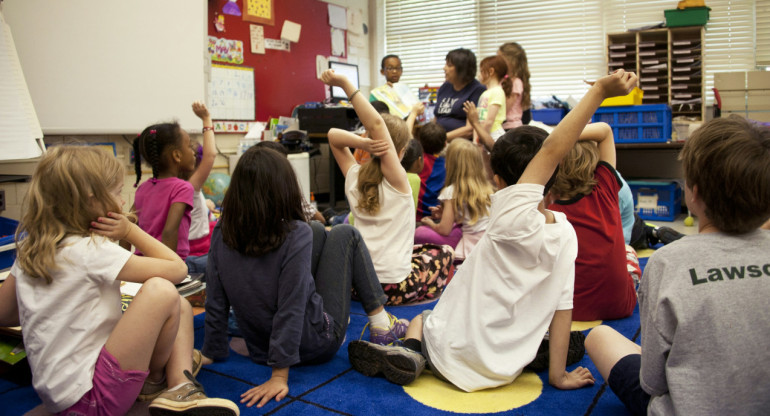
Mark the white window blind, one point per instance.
(563, 40)
(763, 32)
(421, 33)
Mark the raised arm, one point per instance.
(601, 133)
(485, 138)
(375, 125)
(209, 147)
(566, 133)
(416, 110)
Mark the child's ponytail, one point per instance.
(151, 144)
(500, 68)
(507, 84)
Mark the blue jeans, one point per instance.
(196, 264)
(340, 260)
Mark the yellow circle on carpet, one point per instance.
(584, 325)
(437, 394)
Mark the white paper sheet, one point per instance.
(338, 16)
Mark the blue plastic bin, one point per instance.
(647, 123)
(657, 200)
(550, 116)
(7, 243)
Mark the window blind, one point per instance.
(565, 41)
(421, 33)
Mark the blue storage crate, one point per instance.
(550, 116)
(7, 243)
(647, 123)
(657, 200)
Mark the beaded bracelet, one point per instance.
(209, 128)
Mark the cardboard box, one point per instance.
(758, 100)
(758, 80)
(733, 100)
(730, 81)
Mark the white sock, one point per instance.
(380, 319)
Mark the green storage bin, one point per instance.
(691, 16)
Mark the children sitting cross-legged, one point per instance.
(287, 281)
(517, 283)
(586, 191)
(381, 202)
(86, 357)
(464, 200)
(703, 298)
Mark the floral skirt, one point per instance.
(432, 267)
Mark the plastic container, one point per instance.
(550, 116)
(633, 98)
(656, 200)
(691, 16)
(648, 123)
(7, 243)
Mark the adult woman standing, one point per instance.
(518, 103)
(460, 86)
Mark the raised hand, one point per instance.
(329, 77)
(200, 109)
(618, 83)
(471, 111)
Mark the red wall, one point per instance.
(282, 79)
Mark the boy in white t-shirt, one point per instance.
(516, 284)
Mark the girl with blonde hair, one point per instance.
(86, 356)
(465, 200)
(381, 202)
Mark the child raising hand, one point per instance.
(381, 202)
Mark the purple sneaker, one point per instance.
(387, 336)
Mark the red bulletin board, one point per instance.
(282, 79)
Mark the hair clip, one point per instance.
(506, 76)
(152, 131)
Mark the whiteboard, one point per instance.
(111, 67)
(231, 93)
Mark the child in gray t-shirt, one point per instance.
(702, 299)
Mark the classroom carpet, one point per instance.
(334, 388)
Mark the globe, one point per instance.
(215, 187)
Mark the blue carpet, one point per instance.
(334, 388)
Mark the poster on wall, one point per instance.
(259, 11)
(231, 93)
(226, 50)
(257, 36)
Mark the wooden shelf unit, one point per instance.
(669, 63)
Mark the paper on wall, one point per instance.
(257, 35)
(290, 31)
(356, 40)
(355, 21)
(338, 42)
(321, 65)
(338, 16)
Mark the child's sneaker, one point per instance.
(151, 390)
(190, 399)
(387, 336)
(399, 365)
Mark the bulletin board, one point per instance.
(231, 93)
(282, 79)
